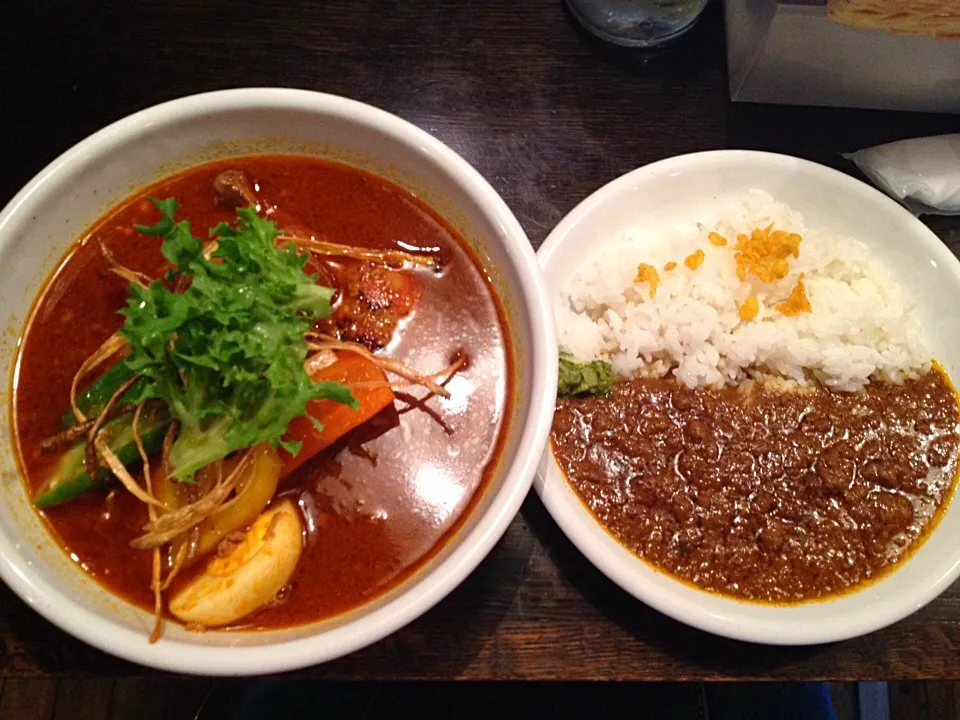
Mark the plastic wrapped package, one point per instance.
(923, 173)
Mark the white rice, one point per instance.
(861, 324)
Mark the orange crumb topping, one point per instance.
(797, 302)
(695, 260)
(750, 308)
(669, 266)
(764, 253)
(648, 274)
(717, 239)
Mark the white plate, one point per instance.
(685, 189)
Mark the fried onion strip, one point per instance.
(111, 346)
(332, 249)
(68, 436)
(157, 598)
(116, 467)
(168, 526)
(117, 268)
(320, 360)
(391, 366)
(152, 511)
(442, 375)
(178, 563)
(90, 458)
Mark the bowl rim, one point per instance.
(532, 424)
(680, 600)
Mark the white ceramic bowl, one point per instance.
(681, 190)
(40, 223)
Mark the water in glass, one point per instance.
(637, 23)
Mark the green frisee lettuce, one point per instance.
(227, 353)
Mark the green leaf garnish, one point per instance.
(227, 353)
(576, 378)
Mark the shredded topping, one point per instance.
(796, 303)
(694, 260)
(764, 253)
(750, 309)
(648, 274)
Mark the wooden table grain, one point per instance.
(547, 116)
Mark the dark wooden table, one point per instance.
(547, 117)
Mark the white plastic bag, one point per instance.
(923, 173)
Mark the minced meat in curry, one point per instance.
(761, 493)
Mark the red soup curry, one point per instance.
(376, 504)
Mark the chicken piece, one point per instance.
(373, 300)
(234, 189)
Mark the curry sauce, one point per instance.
(762, 493)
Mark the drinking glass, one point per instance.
(647, 24)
